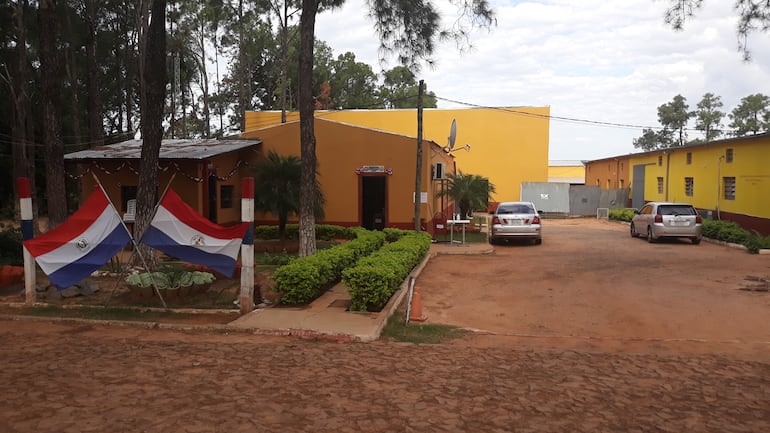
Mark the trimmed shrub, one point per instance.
(621, 214)
(322, 232)
(728, 231)
(305, 278)
(375, 278)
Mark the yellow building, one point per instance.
(608, 173)
(506, 145)
(367, 176)
(728, 179)
(563, 171)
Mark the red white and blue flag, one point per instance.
(179, 231)
(82, 244)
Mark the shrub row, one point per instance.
(305, 278)
(322, 232)
(375, 278)
(728, 231)
(621, 214)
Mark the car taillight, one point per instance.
(658, 218)
(698, 219)
(536, 220)
(495, 220)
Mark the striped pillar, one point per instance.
(27, 232)
(246, 299)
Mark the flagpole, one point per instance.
(131, 236)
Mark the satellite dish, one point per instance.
(452, 135)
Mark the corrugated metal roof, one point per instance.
(169, 149)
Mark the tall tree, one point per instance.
(50, 70)
(650, 140)
(708, 117)
(407, 29)
(353, 84)
(153, 90)
(751, 116)
(399, 90)
(752, 15)
(673, 116)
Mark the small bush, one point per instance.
(729, 231)
(11, 252)
(322, 232)
(621, 214)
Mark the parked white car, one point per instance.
(516, 220)
(667, 220)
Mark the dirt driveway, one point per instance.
(591, 286)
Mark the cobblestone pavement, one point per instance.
(69, 378)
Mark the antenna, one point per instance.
(452, 136)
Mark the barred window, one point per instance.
(660, 185)
(660, 160)
(729, 183)
(689, 158)
(226, 196)
(689, 185)
(729, 155)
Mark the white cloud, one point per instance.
(604, 61)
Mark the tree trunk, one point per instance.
(50, 67)
(95, 114)
(153, 100)
(307, 245)
(21, 129)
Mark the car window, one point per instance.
(646, 210)
(515, 208)
(676, 210)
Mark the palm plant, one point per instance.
(469, 191)
(276, 188)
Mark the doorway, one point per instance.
(373, 194)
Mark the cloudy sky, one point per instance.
(594, 62)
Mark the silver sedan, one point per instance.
(515, 220)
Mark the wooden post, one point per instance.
(27, 232)
(246, 299)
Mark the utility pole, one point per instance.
(418, 175)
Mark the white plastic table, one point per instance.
(451, 224)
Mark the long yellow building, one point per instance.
(729, 179)
(506, 145)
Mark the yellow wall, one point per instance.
(342, 148)
(708, 167)
(565, 172)
(508, 145)
(609, 173)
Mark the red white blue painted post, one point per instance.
(246, 299)
(27, 232)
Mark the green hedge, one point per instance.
(728, 231)
(375, 278)
(305, 278)
(621, 214)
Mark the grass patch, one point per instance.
(106, 313)
(396, 330)
(470, 237)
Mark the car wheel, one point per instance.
(538, 241)
(633, 231)
(650, 239)
(695, 241)
(492, 240)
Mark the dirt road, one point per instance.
(591, 286)
(580, 337)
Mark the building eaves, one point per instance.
(169, 149)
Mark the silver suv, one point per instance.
(667, 220)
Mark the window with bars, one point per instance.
(621, 183)
(226, 196)
(689, 185)
(729, 155)
(660, 185)
(729, 183)
(660, 160)
(689, 158)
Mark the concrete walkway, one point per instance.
(328, 317)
